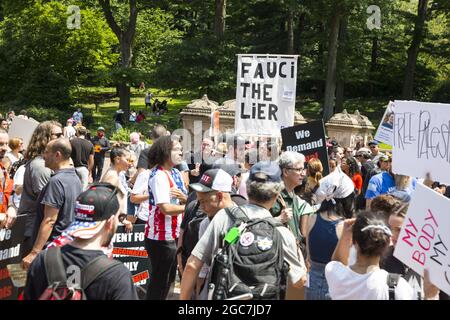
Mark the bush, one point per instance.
(43, 114)
(121, 135)
(442, 93)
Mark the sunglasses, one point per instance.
(58, 135)
(122, 217)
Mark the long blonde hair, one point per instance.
(315, 169)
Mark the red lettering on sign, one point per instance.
(431, 217)
(427, 231)
(4, 273)
(140, 276)
(427, 243)
(409, 232)
(419, 257)
(5, 292)
(130, 252)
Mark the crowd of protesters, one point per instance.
(337, 231)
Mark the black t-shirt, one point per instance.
(114, 284)
(60, 192)
(104, 145)
(81, 150)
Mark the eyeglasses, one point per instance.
(373, 147)
(122, 217)
(58, 135)
(299, 170)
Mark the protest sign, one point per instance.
(265, 94)
(385, 129)
(422, 140)
(7, 289)
(22, 128)
(11, 241)
(129, 248)
(424, 240)
(308, 139)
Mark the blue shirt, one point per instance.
(379, 184)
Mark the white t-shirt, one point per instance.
(12, 158)
(346, 284)
(18, 181)
(141, 188)
(70, 132)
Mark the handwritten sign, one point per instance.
(424, 240)
(385, 129)
(308, 139)
(265, 94)
(421, 141)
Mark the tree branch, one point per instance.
(106, 6)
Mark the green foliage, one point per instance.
(442, 93)
(41, 58)
(42, 114)
(121, 135)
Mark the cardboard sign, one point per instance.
(386, 128)
(265, 94)
(308, 139)
(424, 241)
(11, 242)
(129, 248)
(421, 140)
(22, 128)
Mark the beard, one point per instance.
(108, 240)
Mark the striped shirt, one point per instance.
(160, 226)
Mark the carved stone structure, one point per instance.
(349, 129)
(200, 110)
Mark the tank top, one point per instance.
(322, 240)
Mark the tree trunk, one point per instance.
(290, 32)
(219, 21)
(341, 65)
(373, 65)
(125, 38)
(320, 62)
(330, 85)
(413, 50)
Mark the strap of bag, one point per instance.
(95, 268)
(237, 214)
(392, 281)
(54, 266)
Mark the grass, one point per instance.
(108, 104)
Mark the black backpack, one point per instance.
(59, 288)
(190, 234)
(252, 267)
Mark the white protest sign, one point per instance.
(386, 127)
(265, 94)
(424, 240)
(421, 140)
(22, 128)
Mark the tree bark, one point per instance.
(373, 65)
(330, 85)
(126, 38)
(413, 50)
(219, 21)
(290, 32)
(341, 65)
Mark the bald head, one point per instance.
(62, 146)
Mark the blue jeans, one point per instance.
(318, 286)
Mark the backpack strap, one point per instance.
(54, 266)
(237, 214)
(95, 268)
(392, 281)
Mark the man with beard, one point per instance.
(96, 219)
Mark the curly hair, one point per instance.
(385, 205)
(40, 138)
(353, 167)
(160, 151)
(371, 234)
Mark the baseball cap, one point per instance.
(92, 207)
(384, 157)
(101, 129)
(374, 142)
(213, 180)
(265, 171)
(233, 169)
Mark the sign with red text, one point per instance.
(265, 94)
(421, 140)
(424, 240)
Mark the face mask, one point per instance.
(100, 134)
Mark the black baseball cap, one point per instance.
(92, 207)
(233, 169)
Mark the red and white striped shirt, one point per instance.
(160, 226)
